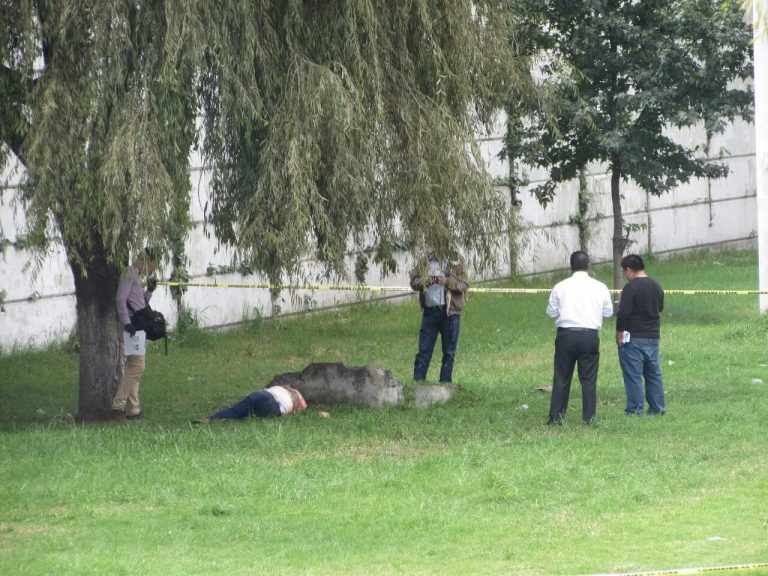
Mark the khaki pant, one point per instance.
(127, 395)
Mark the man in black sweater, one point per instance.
(637, 336)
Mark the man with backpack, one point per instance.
(131, 300)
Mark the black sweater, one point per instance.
(641, 302)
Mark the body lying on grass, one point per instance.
(267, 403)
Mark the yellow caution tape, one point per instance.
(717, 292)
(698, 570)
(369, 288)
(316, 287)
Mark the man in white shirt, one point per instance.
(578, 304)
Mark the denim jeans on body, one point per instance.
(258, 404)
(435, 321)
(639, 358)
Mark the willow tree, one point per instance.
(326, 124)
(628, 71)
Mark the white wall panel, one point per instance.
(737, 140)
(740, 181)
(564, 204)
(679, 220)
(200, 182)
(489, 150)
(37, 324)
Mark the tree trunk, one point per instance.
(99, 332)
(619, 242)
(760, 22)
(583, 224)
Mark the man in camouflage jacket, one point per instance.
(442, 287)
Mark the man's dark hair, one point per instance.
(579, 261)
(633, 262)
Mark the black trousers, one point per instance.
(575, 346)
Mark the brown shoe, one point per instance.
(117, 415)
(137, 416)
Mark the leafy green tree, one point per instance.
(326, 124)
(627, 71)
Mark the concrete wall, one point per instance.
(39, 303)
(698, 214)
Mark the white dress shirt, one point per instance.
(580, 302)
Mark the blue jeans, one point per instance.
(259, 404)
(640, 358)
(435, 321)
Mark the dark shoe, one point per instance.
(554, 422)
(138, 416)
(117, 415)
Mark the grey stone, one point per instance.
(334, 383)
(428, 395)
(370, 386)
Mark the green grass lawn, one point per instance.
(477, 486)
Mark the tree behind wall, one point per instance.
(324, 123)
(628, 71)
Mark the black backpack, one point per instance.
(152, 323)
